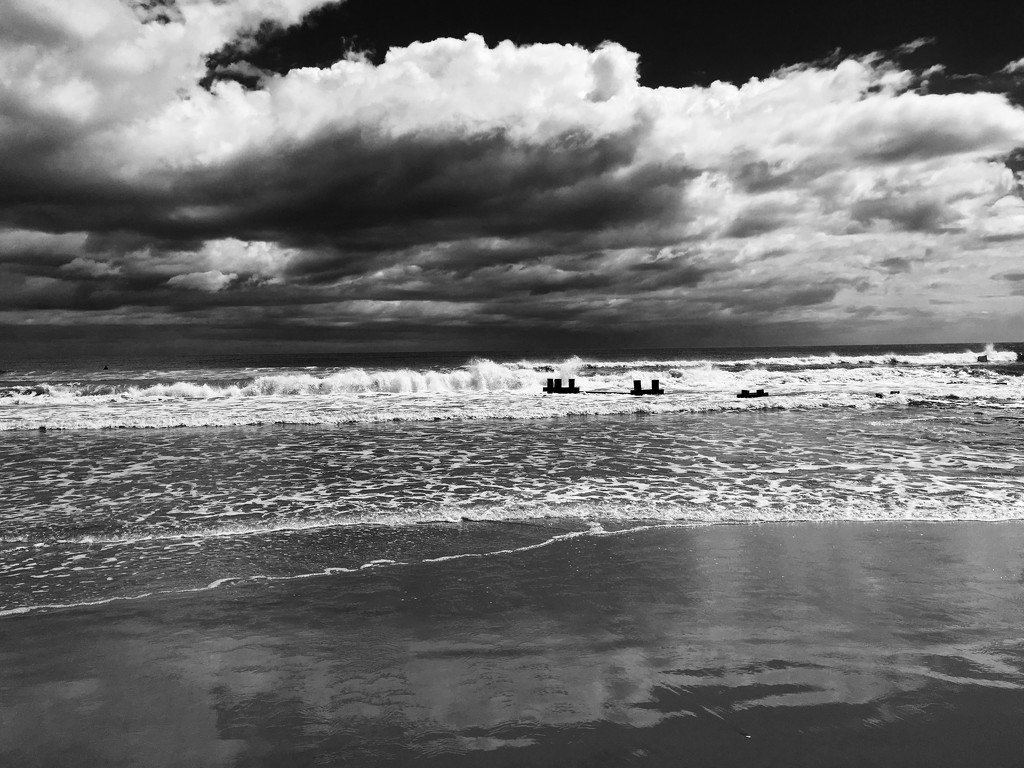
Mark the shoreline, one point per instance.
(545, 524)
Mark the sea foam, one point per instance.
(485, 389)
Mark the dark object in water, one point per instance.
(748, 393)
(982, 358)
(654, 390)
(554, 386)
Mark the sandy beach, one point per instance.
(794, 644)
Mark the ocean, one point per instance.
(432, 560)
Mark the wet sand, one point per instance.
(843, 644)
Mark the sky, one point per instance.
(286, 175)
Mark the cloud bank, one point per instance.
(461, 193)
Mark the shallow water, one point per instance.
(101, 515)
(791, 644)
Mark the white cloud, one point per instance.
(84, 267)
(69, 71)
(1014, 67)
(211, 281)
(265, 259)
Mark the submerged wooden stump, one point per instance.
(554, 386)
(639, 390)
(748, 393)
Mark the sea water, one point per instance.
(123, 479)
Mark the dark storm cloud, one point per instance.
(59, 201)
(157, 11)
(417, 189)
(764, 300)
(913, 215)
(1014, 161)
(754, 175)
(357, 203)
(922, 142)
(1009, 237)
(756, 220)
(368, 193)
(562, 276)
(896, 264)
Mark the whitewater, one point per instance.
(135, 397)
(177, 478)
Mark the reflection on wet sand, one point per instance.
(800, 644)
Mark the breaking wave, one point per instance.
(485, 389)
